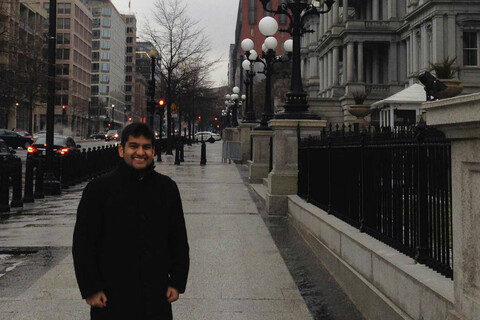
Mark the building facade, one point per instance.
(381, 46)
(73, 68)
(108, 65)
(22, 82)
(130, 68)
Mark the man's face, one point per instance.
(138, 152)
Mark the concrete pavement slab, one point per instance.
(237, 271)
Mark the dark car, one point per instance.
(112, 135)
(15, 140)
(24, 133)
(98, 136)
(6, 153)
(62, 145)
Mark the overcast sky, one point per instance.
(217, 17)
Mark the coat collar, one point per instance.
(132, 174)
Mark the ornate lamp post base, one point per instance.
(296, 107)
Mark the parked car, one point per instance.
(202, 136)
(112, 135)
(15, 140)
(216, 137)
(62, 145)
(24, 133)
(39, 133)
(6, 153)
(98, 135)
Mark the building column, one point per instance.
(415, 48)
(452, 39)
(321, 74)
(329, 19)
(330, 68)
(335, 12)
(409, 58)
(375, 10)
(368, 66)
(360, 75)
(424, 46)
(350, 61)
(393, 62)
(437, 38)
(392, 9)
(402, 61)
(375, 68)
(368, 8)
(335, 65)
(344, 64)
(345, 11)
(325, 24)
(325, 71)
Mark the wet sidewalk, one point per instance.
(237, 271)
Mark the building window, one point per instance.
(95, 45)
(96, 34)
(129, 29)
(128, 78)
(96, 23)
(46, 6)
(129, 39)
(96, 12)
(470, 48)
(63, 38)
(63, 23)
(94, 78)
(105, 78)
(64, 7)
(61, 100)
(252, 12)
(129, 69)
(95, 67)
(105, 56)
(104, 89)
(94, 90)
(129, 20)
(95, 56)
(63, 54)
(106, 45)
(107, 11)
(106, 22)
(128, 88)
(62, 69)
(106, 33)
(129, 59)
(128, 98)
(129, 49)
(105, 67)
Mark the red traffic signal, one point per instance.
(216, 119)
(199, 117)
(64, 107)
(161, 102)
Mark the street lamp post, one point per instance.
(151, 98)
(248, 66)
(234, 98)
(113, 117)
(50, 182)
(296, 106)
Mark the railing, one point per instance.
(394, 185)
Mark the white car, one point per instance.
(216, 136)
(202, 136)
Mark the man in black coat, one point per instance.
(130, 248)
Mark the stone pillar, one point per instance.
(345, 11)
(437, 39)
(344, 64)
(330, 68)
(245, 130)
(325, 23)
(392, 9)
(322, 27)
(402, 61)
(452, 39)
(375, 10)
(350, 61)
(320, 74)
(415, 48)
(361, 70)
(459, 119)
(325, 71)
(329, 19)
(409, 58)
(375, 68)
(282, 180)
(393, 62)
(335, 65)
(259, 166)
(335, 12)
(425, 46)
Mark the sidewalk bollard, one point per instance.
(16, 184)
(203, 157)
(182, 147)
(177, 153)
(158, 149)
(28, 194)
(64, 176)
(4, 186)
(39, 194)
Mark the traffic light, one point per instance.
(64, 107)
(161, 102)
(218, 126)
(199, 117)
(216, 119)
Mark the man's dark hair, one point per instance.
(137, 129)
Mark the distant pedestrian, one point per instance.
(130, 248)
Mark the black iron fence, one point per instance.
(392, 184)
(69, 169)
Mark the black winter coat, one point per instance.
(131, 242)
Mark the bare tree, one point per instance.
(180, 43)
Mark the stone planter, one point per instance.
(360, 111)
(454, 88)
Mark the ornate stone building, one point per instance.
(380, 46)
